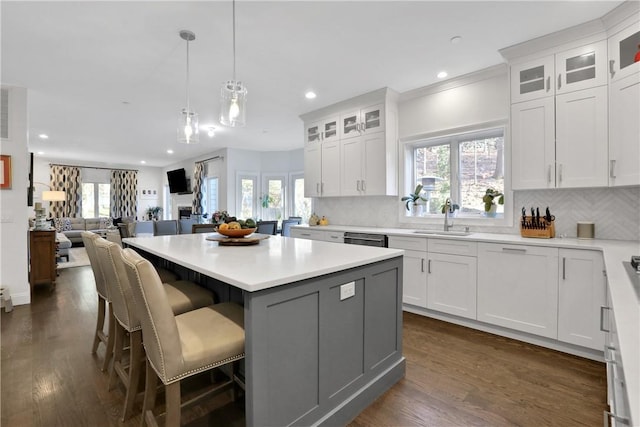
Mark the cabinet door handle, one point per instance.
(322, 136)
(516, 250)
(358, 185)
(564, 268)
(611, 70)
(429, 267)
(559, 81)
(560, 173)
(364, 186)
(422, 264)
(612, 168)
(602, 309)
(357, 127)
(317, 188)
(548, 83)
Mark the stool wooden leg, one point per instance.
(108, 353)
(118, 349)
(135, 366)
(150, 391)
(172, 397)
(100, 324)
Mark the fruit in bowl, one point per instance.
(239, 228)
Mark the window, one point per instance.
(247, 197)
(272, 200)
(300, 205)
(210, 194)
(96, 200)
(461, 167)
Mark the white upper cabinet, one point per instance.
(581, 68)
(365, 120)
(532, 79)
(624, 131)
(581, 138)
(358, 153)
(624, 52)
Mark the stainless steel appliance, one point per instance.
(366, 239)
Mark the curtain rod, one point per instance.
(93, 167)
(211, 158)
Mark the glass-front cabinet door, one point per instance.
(313, 133)
(373, 119)
(532, 80)
(330, 129)
(624, 52)
(581, 68)
(350, 124)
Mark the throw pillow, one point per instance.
(105, 223)
(57, 224)
(66, 224)
(116, 221)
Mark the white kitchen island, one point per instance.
(317, 353)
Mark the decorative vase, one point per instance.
(417, 209)
(491, 213)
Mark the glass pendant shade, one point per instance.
(188, 130)
(233, 101)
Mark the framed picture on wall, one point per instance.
(5, 172)
(148, 194)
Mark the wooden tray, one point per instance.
(254, 239)
(548, 232)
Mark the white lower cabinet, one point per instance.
(451, 286)
(414, 269)
(518, 288)
(581, 293)
(303, 233)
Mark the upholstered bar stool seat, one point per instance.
(182, 296)
(178, 347)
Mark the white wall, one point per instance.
(13, 203)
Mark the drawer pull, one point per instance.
(515, 250)
(422, 264)
(429, 267)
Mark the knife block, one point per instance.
(547, 230)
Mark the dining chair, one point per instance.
(166, 227)
(203, 228)
(105, 309)
(180, 346)
(267, 227)
(287, 223)
(182, 296)
(114, 236)
(185, 224)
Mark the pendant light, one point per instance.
(233, 96)
(188, 119)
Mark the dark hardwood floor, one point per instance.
(455, 376)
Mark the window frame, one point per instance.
(96, 197)
(461, 134)
(291, 197)
(255, 177)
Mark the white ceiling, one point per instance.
(107, 79)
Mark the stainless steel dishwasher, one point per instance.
(366, 239)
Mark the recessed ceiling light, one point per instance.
(442, 74)
(456, 39)
(43, 136)
(143, 161)
(310, 95)
(211, 132)
(40, 153)
(169, 151)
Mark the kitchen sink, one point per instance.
(442, 233)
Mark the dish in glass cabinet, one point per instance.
(242, 232)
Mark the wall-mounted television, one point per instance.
(178, 182)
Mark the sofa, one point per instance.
(72, 227)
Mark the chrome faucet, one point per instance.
(447, 207)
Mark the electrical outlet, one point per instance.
(347, 290)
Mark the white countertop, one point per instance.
(624, 299)
(273, 262)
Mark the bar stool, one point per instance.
(88, 239)
(181, 346)
(182, 296)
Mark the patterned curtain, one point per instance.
(67, 179)
(124, 193)
(198, 179)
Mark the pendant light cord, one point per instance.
(188, 107)
(234, 41)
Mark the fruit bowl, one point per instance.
(241, 232)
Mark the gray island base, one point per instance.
(318, 350)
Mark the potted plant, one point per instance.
(489, 204)
(414, 199)
(453, 208)
(153, 212)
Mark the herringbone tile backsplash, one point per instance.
(615, 211)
